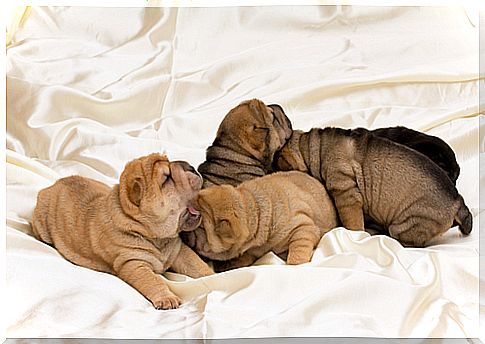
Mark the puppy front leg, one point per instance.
(302, 243)
(190, 264)
(342, 185)
(140, 275)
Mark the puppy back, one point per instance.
(308, 189)
(411, 165)
(433, 147)
(60, 205)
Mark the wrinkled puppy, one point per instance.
(130, 230)
(246, 140)
(284, 211)
(397, 187)
(433, 147)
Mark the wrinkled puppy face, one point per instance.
(223, 229)
(157, 193)
(255, 129)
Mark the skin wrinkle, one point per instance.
(252, 213)
(227, 155)
(315, 165)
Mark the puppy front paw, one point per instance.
(299, 255)
(167, 301)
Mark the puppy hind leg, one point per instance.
(417, 231)
(349, 207)
(39, 227)
(349, 202)
(302, 243)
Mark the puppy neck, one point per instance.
(215, 153)
(226, 166)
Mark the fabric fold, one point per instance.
(89, 89)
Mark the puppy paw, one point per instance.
(297, 258)
(167, 301)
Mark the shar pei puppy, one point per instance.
(245, 143)
(284, 212)
(372, 177)
(130, 230)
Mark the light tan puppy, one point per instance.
(372, 177)
(285, 211)
(130, 230)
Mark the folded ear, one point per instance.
(227, 231)
(135, 191)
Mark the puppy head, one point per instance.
(223, 229)
(157, 193)
(255, 129)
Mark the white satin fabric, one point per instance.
(89, 89)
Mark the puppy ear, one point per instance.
(135, 192)
(226, 231)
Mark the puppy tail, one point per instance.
(463, 218)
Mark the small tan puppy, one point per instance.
(285, 211)
(369, 176)
(246, 141)
(130, 230)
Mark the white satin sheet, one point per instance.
(89, 89)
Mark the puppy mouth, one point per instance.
(191, 219)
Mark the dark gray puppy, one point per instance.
(369, 176)
(245, 143)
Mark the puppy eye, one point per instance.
(260, 129)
